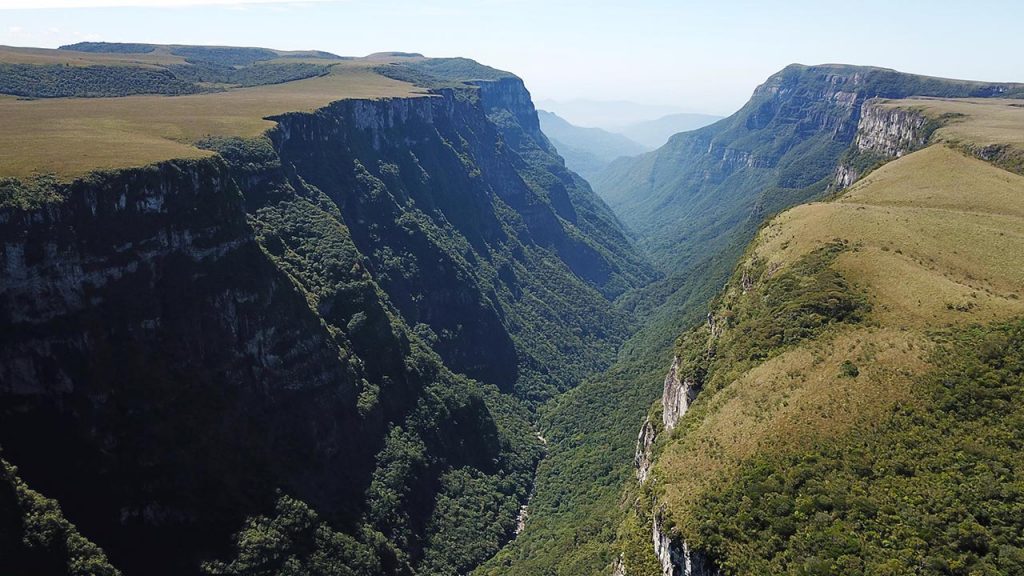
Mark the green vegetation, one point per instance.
(295, 541)
(35, 538)
(347, 335)
(440, 72)
(110, 47)
(698, 201)
(56, 81)
(257, 75)
(29, 195)
(223, 55)
(202, 69)
(591, 430)
(936, 489)
(838, 425)
(790, 306)
(560, 328)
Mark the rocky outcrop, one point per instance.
(845, 176)
(618, 567)
(676, 557)
(890, 131)
(642, 458)
(679, 393)
(883, 133)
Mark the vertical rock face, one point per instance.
(678, 394)
(883, 133)
(670, 555)
(673, 553)
(675, 556)
(618, 568)
(149, 350)
(890, 131)
(642, 458)
(464, 211)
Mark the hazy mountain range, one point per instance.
(587, 150)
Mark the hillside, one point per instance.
(321, 309)
(655, 133)
(586, 150)
(698, 200)
(850, 406)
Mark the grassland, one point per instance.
(70, 137)
(980, 121)
(935, 240)
(159, 56)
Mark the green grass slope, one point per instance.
(860, 408)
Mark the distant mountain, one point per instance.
(608, 114)
(586, 150)
(655, 133)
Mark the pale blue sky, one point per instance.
(700, 56)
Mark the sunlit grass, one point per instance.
(71, 137)
(935, 239)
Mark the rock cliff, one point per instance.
(192, 339)
(883, 133)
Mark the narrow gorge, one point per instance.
(269, 313)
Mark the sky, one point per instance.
(698, 56)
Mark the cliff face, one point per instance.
(883, 133)
(675, 556)
(187, 339)
(680, 390)
(466, 216)
(890, 131)
(153, 353)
